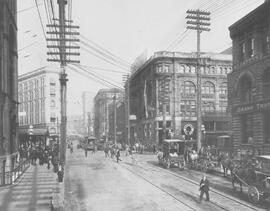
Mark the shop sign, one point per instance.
(253, 107)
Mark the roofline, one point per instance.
(38, 71)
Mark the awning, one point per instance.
(36, 131)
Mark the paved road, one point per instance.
(99, 183)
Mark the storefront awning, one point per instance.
(36, 131)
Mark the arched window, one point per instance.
(266, 84)
(245, 89)
(52, 103)
(208, 88)
(223, 88)
(188, 87)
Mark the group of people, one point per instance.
(112, 151)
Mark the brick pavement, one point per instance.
(32, 193)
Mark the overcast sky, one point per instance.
(126, 28)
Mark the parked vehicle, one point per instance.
(171, 153)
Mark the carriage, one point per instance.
(172, 153)
(259, 182)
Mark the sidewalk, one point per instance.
(33, 192)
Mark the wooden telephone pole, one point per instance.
(198, 20)
(59, 35)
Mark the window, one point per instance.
(266, 84)
(208, 106)
(52, 92)
(222, 126)
(242, 51)
(223, 106)
(250, 47)
(208, 88)
(188, 87)
(245, 89)
(223, 88)
(52, 103)
(209, 125)
(166, 68)
(188, 107)
(52, 82)
(265, 43)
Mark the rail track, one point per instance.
(243, 205)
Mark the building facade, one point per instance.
(249, 82)
(39, 106)
(8, 86)
(163, 94)
(104, 107)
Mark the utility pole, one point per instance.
(114, 104)
(63, 80)
(198, 20)
(59, 35)
(126, 80)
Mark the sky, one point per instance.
(126, 28)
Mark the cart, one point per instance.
(260, 187)
(172, 153)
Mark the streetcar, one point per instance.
(172, 153)
(88, 143)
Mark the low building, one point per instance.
(39, 106)
(249, 82)
(104, 103)
(163, 92)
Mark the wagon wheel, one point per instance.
(253, 194)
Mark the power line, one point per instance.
(40, 19)
(28, 8)
(102, 69)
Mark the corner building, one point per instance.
(170, 79)
(39, 97)
(249, 82)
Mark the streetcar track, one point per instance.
(195, 183)
(161, 189)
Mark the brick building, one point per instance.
(249, 82)
(39, 108)
(175, 72)
(8, 87)
(104, 108)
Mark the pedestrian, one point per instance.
(118, 155)
(204, 188)
(85, 152)
(154, 149)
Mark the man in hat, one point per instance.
(204, 188)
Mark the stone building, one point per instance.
(8, 86)
(104, 107)
(163, 92)
(39, 108)
(249, 82)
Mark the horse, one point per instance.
(226, 163)
(246, 174)
(160, 156)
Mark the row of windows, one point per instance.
(32, 84)
(189, 87)
(188, 107)
(31, 95)
(192, 69)
(247, 47)
(34, 112)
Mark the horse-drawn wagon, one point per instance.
(172, 153)
(256, 177)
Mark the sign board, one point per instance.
(260, 106)
(132, 117)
